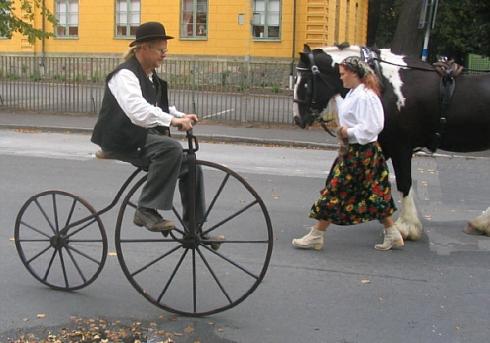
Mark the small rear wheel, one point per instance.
(60, 240)
(211, 269)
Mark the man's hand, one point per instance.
(185, 123)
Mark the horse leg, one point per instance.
(408, 222)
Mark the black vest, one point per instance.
(114, 130)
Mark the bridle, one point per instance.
(312, 91)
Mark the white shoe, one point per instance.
(392, 239)
(312, 240)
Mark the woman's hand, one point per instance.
(343, 133)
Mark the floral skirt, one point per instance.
(357, 189)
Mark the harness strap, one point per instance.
(448, 70)
(372, 59)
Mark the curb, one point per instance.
(210, 138)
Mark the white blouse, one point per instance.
(361, 112)
(125, 87)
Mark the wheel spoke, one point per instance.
(60, 253)
(146, 240)
(49, 264)
(181, 221)
(172, 276)
(55, 210)
(83, 254)
(211, 205)
(45, 215)
(214, 276)
(132, 205)
(38, 254)
(233, 263)
(83, 227)
(76, 265)
(194, 280)
(34, 229)
(72, 209)
(235, 241)
(230, 217)
(155, 261)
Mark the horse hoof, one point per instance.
(471, 230)
(415, 234)
(404, 230)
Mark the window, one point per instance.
(194, 23)
(266, 18)
(127, 17)
(67, 17)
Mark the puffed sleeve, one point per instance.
(370, 118)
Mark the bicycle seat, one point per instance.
(134, 158)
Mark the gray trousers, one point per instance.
(167, 163)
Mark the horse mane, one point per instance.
(390, 70)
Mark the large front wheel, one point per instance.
(197, 272)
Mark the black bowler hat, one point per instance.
(151, 30)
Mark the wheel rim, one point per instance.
(60, 240)
(182, 273)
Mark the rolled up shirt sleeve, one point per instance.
(125, 87)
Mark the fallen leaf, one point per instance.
(112, 253)
(41, 315)
(364, 281)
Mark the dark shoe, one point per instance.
(152, 220)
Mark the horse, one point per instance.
(422, 111)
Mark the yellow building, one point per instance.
(243, 29)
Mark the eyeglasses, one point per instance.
(161, 51)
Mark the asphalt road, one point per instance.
(434, 290)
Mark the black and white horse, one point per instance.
(415, 116)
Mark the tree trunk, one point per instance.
(409, 39)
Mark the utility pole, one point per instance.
(427, 19)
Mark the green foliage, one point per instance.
(462, 27)
(11, 22)
(387, 17)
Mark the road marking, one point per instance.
(218, 113)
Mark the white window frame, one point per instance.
(262, 16)
(67, 19)
(126, 18)
(197, 33)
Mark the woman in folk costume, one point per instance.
(357, 189)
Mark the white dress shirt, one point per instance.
(125, 87)
(361, 112)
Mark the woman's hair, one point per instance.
(364, 72)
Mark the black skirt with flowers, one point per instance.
(357, 189)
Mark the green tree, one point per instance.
(10, 22)
(462, 26)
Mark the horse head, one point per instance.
(317, 81)
(318, 78)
